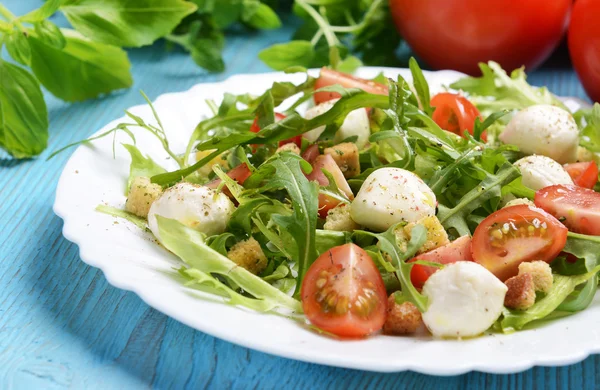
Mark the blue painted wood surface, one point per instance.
(63, 326)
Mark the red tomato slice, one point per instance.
(311, 153)
(327, 162)
(457, 250)
(514, 235)
(343, 293)
(578, 208)
(239, 174)
(331, 77)
(584, 174)
(297, 139)
(455, 113)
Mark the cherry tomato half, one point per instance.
(457, 250)
(584, 45)
(578, 208)
(514, 235)
(584, 174)
(459, 34)
(327, 163)
(331, 77)
(343, 293)
(455, 113)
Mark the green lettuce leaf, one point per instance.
(562, 287)
(190, 246)
(495, 90)
(140, 166)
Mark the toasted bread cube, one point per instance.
(521, 293)
(436, 234)
(338, 218)
(248, 254)
(540, 272)
(207, 169)
(142, 194)
(291, 147)
(401, 319)
(346, 157)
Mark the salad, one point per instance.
(380, 207)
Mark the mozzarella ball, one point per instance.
(465, 299)
(546, 130)
(392, 195)
(198, 207)
(356, 124)
(541, 171)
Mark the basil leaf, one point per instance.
(82, 70)
(260, 15)
(18, 47)
(42, 13)
(23, 114)
(50, 34)
(284, 55)
(132, 23)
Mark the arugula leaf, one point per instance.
(140, 166)
(283, 55)
(327, 239)
(132, 23)
(284, 171)
(456, 217)
(82, 70)
(495, 90)
(421, 86)
(190, 246)
(23, 113)
(562, 287)
(389, 245)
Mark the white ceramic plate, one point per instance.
(132, 261)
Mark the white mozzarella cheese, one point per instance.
(541, 171)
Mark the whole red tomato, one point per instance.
(584, 44)
(458, 34)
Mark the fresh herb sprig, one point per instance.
(72, 64)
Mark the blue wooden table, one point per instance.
(63, 326)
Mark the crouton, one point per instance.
(540, 272)
(142, 194)
(206, 169)
(401, 319)
(518, 202)
(436, 234)
(338, 218)
(521, 293)
(346, 157)
(248, 254)
(291, 147)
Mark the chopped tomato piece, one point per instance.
(584, 174)
(455, 113)
(577, 208)
(327, 163)
(514, 235)
(331, 77)
(343, 293)
(457, 250)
